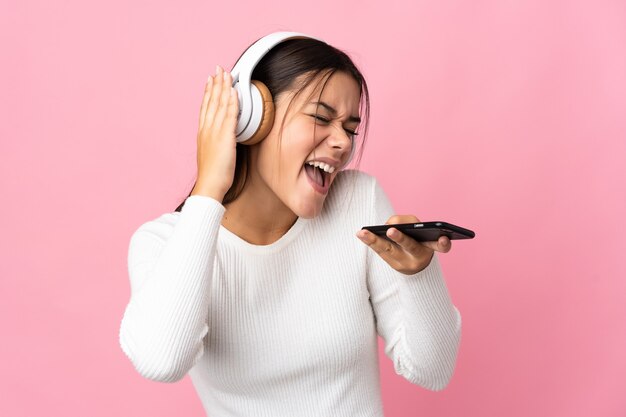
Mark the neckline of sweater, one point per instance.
(279, 244)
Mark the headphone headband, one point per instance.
(250, 116)
(245, 65)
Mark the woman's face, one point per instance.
(283, 168)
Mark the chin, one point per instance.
(309, 211)
(307, 203)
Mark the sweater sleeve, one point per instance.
(170, 262)
(414, 313)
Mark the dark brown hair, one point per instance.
(278, 70)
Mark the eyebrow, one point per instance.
(334, 112)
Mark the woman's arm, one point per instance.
(414, 313)
(170, 265)
(170, 260)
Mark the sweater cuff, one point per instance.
(199, 202)
(200, 212)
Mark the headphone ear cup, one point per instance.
(267, 118)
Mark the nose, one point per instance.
(339, 139)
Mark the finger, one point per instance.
(233, 110)
(224, 100)
(383, 247)
(402, 218)
(443, 244)
(406, 242)
(215, 98)
(205, 100)
(414, 252)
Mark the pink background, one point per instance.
(506, 117)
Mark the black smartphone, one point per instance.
(424, 232)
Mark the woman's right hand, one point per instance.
(216, 137)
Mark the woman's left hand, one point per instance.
(404, 254)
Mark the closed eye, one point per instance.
(324, 120)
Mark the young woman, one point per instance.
(261, 285)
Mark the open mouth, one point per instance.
(319, 175)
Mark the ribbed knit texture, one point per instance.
(286, 329)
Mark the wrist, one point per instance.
(208, 191)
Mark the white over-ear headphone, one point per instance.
(256, 106)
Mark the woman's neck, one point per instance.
(258, 216)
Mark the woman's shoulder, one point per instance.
(159, 228)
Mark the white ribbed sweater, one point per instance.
(286, 329)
